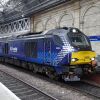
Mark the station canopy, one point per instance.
(7, 7)
(11, 10)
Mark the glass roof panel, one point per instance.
(2, 4)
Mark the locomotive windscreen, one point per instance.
(78, 39)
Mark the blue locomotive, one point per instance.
(63, 52)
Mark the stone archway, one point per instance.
(66, 21)
(50, 24)
(91, 26)
(91, 21)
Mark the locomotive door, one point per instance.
(47, 51)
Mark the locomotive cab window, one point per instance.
(78, 39)
(57, 40)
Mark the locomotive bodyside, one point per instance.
(61, 52)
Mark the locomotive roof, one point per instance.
(45, 34)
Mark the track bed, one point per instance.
(21, 89)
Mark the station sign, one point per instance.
(94, 38)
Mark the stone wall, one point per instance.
(83, 14)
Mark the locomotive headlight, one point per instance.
(93, 59)
(74, 30)
(73, 60)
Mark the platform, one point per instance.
(95, 78)
(98, 65)
(6, 94)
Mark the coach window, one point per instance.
(57, 40)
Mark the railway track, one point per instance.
(82, 87)
(87, 88)
(22, 89)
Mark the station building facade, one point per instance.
(83, 14)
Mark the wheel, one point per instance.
(35, 68)
(52, 74)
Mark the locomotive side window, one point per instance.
(57, 40)
(5, 48)
(31, 49)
